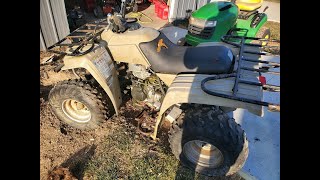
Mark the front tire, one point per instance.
(208, 141)
(79, 104)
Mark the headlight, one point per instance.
(201, 22)
(197, 22)
(211, 23)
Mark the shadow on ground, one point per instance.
(44, 91)
(74, 166)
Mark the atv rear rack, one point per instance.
(240, 67)
(79, 38)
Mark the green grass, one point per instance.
(111, 159)
(274, 29)
(125, 156)
(122, 156)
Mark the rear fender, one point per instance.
(187, 89)
(100, 65)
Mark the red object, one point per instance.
(156, 6)
(90, 5)
(163, 11)
(107, 9)
(159, 11)
(262, 79)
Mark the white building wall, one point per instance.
(53, 22)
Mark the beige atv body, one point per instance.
(183, 88)
(193, 88)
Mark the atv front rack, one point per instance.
(82, 37)
(240, 67)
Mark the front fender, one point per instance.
(100, 65)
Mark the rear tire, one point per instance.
(79, 104)
(227, 149)
(264, 33)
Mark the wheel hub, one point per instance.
(264, 43)
(76, 111)
(203, 153)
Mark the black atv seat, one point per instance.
(186, 59)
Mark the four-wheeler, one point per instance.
(204, 83)
(215, 19)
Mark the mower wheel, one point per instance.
(79, 104)
(264, 33)
(208, 141)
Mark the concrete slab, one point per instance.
(263, 133)
(273, 11)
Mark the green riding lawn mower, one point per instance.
(216, 19)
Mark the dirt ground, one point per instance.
(115, 150)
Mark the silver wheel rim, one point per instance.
(203, 154)
(76, 111)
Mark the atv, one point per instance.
(215, 19)
(192, 88)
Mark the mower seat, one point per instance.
(249, 5)
(187, 59)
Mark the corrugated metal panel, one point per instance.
(203, 2)
(184, 6)
(47, 23)
(42, 44)
(178, 8)
(60, 18)
(173, 6)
